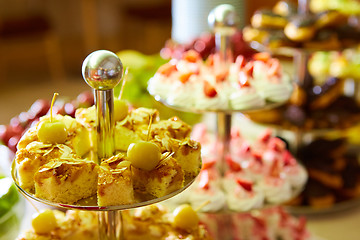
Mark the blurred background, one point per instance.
(43, 43)
(35, 33)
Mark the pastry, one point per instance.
(156, 222)
(300, 28)
(150, 162)
(285, 8)
(318, 196)
(30, 158)
(267, 19)
(253, 34)
(323, 39)
(330, 18)
(166, 178)
(66, 181)
(54, 224)
(77, 138)
(115, 184)
(187, 153)
(151, 222)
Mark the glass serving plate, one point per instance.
(313, 211)
(268, 105)
(91, 202)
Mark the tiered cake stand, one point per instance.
(222, 20)
(301, 58)
(102, 70)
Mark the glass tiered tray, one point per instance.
(102, 70)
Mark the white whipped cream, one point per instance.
(159, 86)
(296, 175)
(245, 98)
(276, 190)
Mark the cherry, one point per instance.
(185, 217)
(144, 155)
(121, 109)
(52, 131)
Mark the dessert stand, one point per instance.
(301, 58)
(102, 70)
(223, 21)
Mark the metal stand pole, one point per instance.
(102, 70)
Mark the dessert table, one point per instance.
(331, 226)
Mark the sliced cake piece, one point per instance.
(187, 153)
(166, 178)
(173, 127)
(78, 137)
(115, 185)
(29, 159)
(66, 181)
(141, 116)
(124, 137)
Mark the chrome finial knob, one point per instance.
(223, 19)
(102, 70)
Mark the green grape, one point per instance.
(124, 164)
(44, 221)
(121, 109)
(185, 217)
(52, 132)
(144, 155)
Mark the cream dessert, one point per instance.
(207, 189)
(192, 84)
(241, 194)
(270, 223)
(257, 173)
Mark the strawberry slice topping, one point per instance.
(210, 60)
(208, 164)
(204, 180)
(184, 77)
(221, 76)
(244, 79)
(275, 169)
(234, 166)
(240, 61)
(274, 69)
(191, 56)
(235, 132)
(262, 56)
(245, 184)
(258, 157)
(209, 90)
(265, 136)
(245, 148)
(289, 160)
(249, 68)
(167, 68)
(277, 144)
